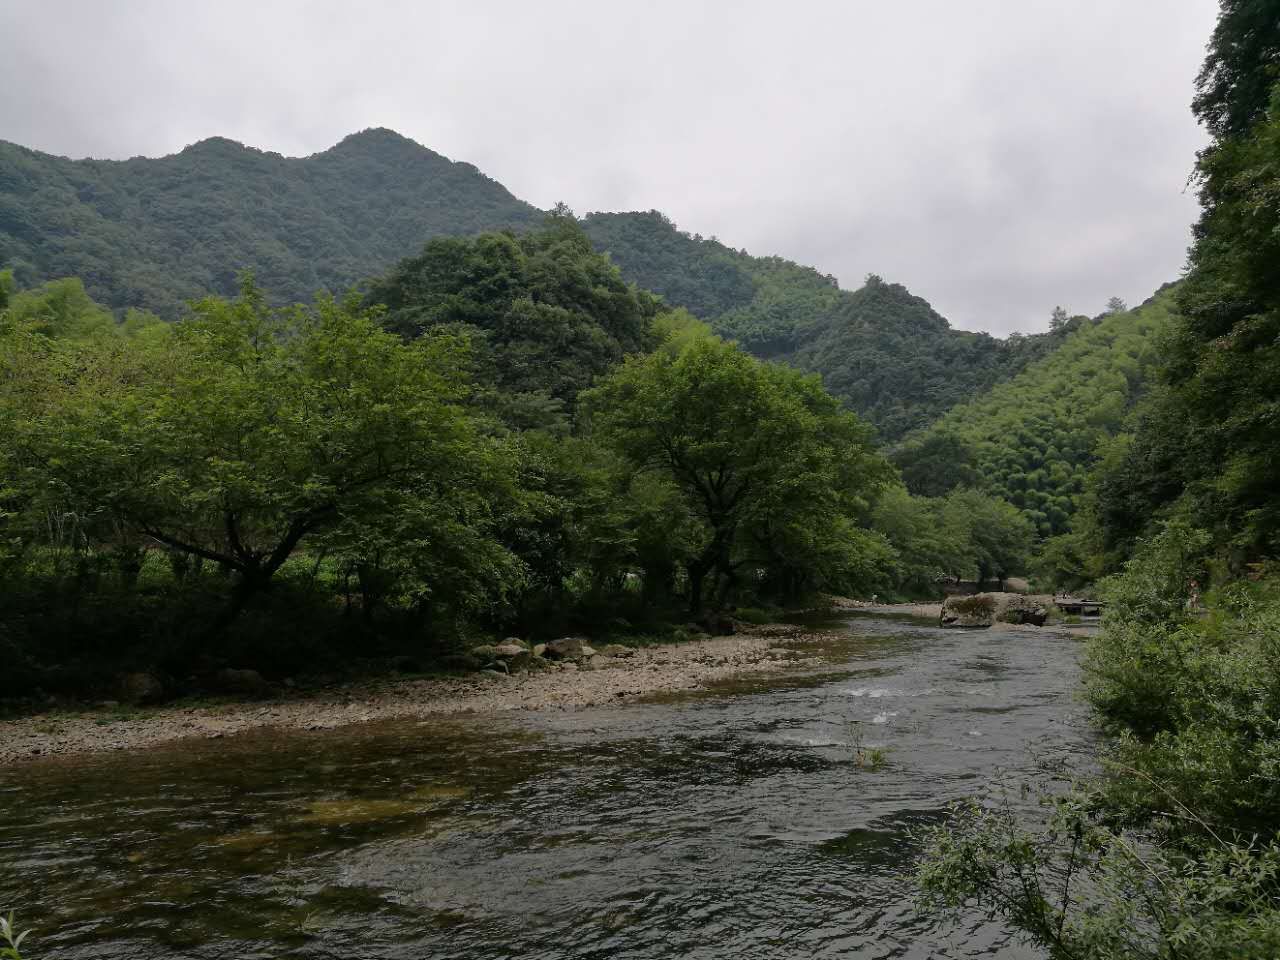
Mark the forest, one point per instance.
(498, 435)
(155, 234)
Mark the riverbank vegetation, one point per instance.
(499, 436)
(1174, 850)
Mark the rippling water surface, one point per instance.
(730, 823)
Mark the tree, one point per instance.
(1116, 305)
(546, 315)
(751, 446)
(1057, 319)
(1000, 538)
(1234, 86)
(243, 431)
(936, 465)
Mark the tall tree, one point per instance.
(750, 445)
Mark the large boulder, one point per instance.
(506, 650)
(974, 611)
(566, 648)
(615, 650)
(511, 655)
(979, 610)
(1019, 608)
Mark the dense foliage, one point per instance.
(771, 473)
(883, 351)
(1175, 851)
(157, 233)
(545, 315)
(1208, 441)
(1032, 440)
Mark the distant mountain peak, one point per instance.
(375, 141)
(216, 145)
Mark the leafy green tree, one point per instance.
(936, 464)
(245, 431)
(753, 448)
(546, 315)
(999, 538)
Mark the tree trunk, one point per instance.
(696, 573)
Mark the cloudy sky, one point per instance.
(996, 156)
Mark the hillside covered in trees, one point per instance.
(156, 233)
(1033, 439)
(885, 352)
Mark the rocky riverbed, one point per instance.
(569, 685)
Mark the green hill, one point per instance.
(154, 233)
(882, 350)
(1033, 439)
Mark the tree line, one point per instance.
(498, 435)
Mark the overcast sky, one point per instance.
(996, 156)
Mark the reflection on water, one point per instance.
(730, 823)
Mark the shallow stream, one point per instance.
(729, 823)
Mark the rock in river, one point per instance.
(984, 609)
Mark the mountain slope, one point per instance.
(882, 350)
(1032, 439)
(153, 233)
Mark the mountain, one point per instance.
(1032, 439)
(887, 353)
(154, 233)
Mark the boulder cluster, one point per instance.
(514, 655)
(987, 609)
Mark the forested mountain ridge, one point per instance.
(155, 233)
(884, 351)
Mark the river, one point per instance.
(727, 823)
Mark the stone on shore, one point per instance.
(615, 650)
(567, 648)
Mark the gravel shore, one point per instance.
(647, 671)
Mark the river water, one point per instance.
(729, 823)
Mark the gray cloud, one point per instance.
(997, 157)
